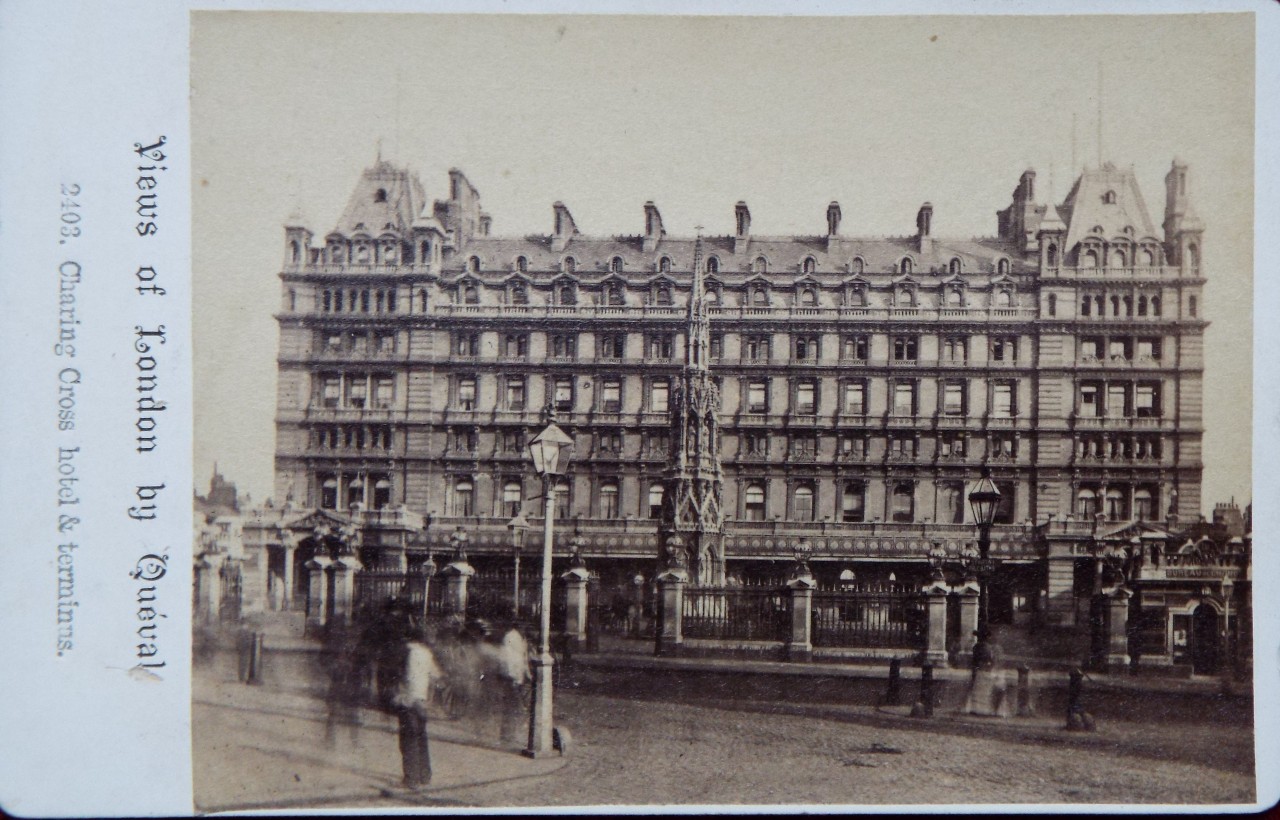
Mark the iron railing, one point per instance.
(737, 613)
(869, 616)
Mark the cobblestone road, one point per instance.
(631, 751)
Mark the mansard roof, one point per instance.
(384, 196)
(785, 255)
(1089, 206)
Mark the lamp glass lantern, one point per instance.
(551, 450)
(517, 527)
(984, 500)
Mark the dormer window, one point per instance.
(761, 265)
(905, 266)
(615, 264)
(522, 264)
(808, 297)
(713, 265)
(1109, 198)
(664, 264)
(1002, 267)
(473, 264)
(953, 266)
(570, 264)
(858, 265)
(810, 265)
(380, 195)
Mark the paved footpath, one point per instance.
(259, 747)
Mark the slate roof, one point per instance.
(1086, 207)
(366, 212)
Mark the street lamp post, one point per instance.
(984, 500)
(1228, 587)
(550, 450)
(517, 526)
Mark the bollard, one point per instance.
(1024, 691)
(893, 695)
(924, 706)
(254, 675)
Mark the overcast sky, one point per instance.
(604, 113)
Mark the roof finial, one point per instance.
(378, 161)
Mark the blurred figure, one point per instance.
(508, 658)
(341, 659)
(411, 697)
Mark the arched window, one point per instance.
(759, 296)
(753, 505)
(713, 265)
(424, 253)
(362, 254)
(1148, 258)
(1002, 267)
(904, 502)
(522, 264)
(615, 264)
(712, 296)
(1053, 304)
(329, 492)
(570, 264)
(1086, 305)
(380, 195)
(1128, 306)
(381, 493)
(355, 492)
(519, 294)
(473, 264)
(761, 265)
(1003, 299)
(656, 494)
(613, 295)
(1115, 305)
(609, 500)
(1115, 505)
(470, 294)
(464, 497)
(511, 500)
(1118, 258)
(810, 265)
(1142, 305)
(664, 295)
(1051, 256)
(1090, 259)
(857, 297)
(906, 297)
(858, 265)
(1144, 507)
(295, 252)
(954, 265)
(1086, 503)
(1155, 305)
(568, 295)
(664, 264)
(1109, 198)
(808, 297)
(1193, 256)
(905, 265)
(802, 503)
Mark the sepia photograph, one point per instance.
(708, 412)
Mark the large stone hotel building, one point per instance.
(863, 383)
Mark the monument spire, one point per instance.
(692, 501)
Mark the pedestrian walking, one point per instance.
(411, 698)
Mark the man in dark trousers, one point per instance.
(411, 699)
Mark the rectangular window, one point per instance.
(951, 502)
(1147, 399)
(853, 503)
(515, 345)
(806, 398)
(1003, 401)
(906, 348)
(952, 446)
(612, 345)
(562, 393)
(330, 391)
(1090, 401)
(1090, 349)
(610, 442)
(904, 399)
(467, 393)
(804, 446)
(512, 441)
(854, 348)
(1149, 349)
(756, 348)
(806, 348)
(359, 343)
(758, 397)
(611, 395)
(386, 342)
(564, 345)
(854, 447)
(1119, 349)
(1117, 401)
(515, 392)
(466, 344)
(658, 393)
(953, 399)
(1006, 506)
(658, 444)
(1004, 349)
(717, 346)
(755, 444)
(357, 391)
(955, 349)
(902, 447)
(659, 346)
(384, 392)
(333, 341)
(1004, 447)
(855, 398)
